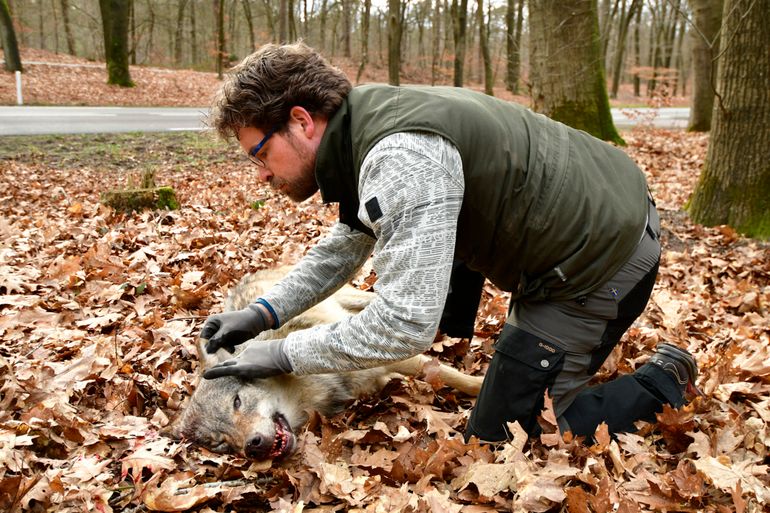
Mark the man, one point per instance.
(427, 176)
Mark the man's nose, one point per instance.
(264, 174)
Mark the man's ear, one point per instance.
(304, 119)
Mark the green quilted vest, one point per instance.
(548, 211)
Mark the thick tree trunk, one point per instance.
(460, 26)
(567, 71)
(489, 78)
(10, 45)
(734, 186)
(704, 39)
(394, 41)
(115, 24)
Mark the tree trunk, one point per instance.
(436, 45)
(283, 21)
(484, 44)
(734, 186)
(10, 45)
(115, 24)
(567, 69)
(704, 39)
(637, 52)
(65, 15)
(250, 23)
(324, 16)
(179, 32)
(394, 41)
(460, 24)
(220, 12)
(620, 49)
(364, 39)
(347, 28)
(193, 37)
(132, 35)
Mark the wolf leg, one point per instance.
(449, 375)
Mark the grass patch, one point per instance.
(124, 151)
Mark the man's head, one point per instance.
(280, 97)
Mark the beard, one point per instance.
(304, 185)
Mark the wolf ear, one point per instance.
(206, 359)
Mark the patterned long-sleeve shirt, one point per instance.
(417, 180)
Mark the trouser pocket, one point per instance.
(629, 308)
(523, 368)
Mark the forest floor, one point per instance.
(77, 81)
(100, 311)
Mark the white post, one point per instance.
(19, 100)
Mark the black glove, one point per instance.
(229, 329)
(261, 359)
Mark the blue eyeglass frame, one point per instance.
(253, 152)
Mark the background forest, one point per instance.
(646, 45)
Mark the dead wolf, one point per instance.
(260, 417)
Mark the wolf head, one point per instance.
(257, 418)
(252, 418)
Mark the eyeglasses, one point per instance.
(253, 152)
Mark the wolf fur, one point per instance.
(260, 417)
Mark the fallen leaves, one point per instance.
(100, 311)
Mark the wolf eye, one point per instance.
(236, 402)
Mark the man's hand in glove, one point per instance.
(259, 360)
(229, 329)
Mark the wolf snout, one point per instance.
(258, 447)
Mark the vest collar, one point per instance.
(334, 171)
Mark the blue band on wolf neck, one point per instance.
(272, 312)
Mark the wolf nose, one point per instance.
(258, 447)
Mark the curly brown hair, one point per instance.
(261, 90)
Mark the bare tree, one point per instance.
(489, 78)
(734, 186)
(178, 33)
(620, 48)
(65, 15)
(364, 39)
(436, 44)
(514, 21)
(250, 23)
(220, 12)
(283, 21)
(460, 25)
(395, 24)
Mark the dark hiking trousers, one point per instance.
(462, 303)
(558, 346)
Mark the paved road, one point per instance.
(74, 120)
(82, 120)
